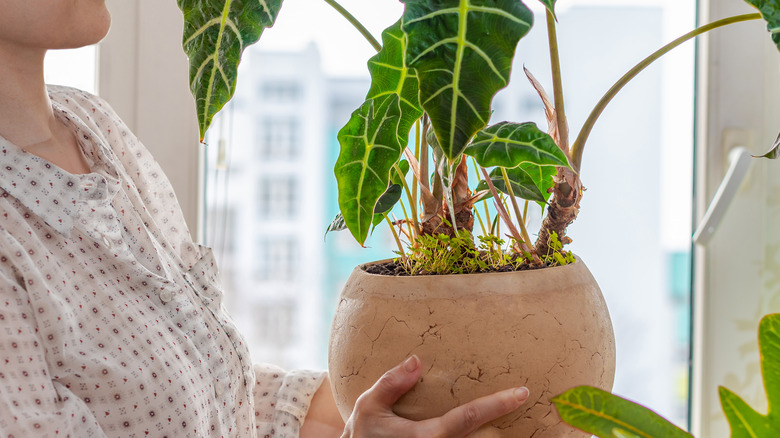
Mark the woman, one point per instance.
(110, 315)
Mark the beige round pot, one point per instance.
(547, 329)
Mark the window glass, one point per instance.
(276, 147)
(73, 67)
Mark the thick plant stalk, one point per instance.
(561, 211)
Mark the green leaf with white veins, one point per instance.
(370, 146)
(462, 51)
(770, 10)
(528, 180)
(216, 32)
(508, 144)
(608, 416)
(391, 77)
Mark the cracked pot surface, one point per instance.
(547, 329)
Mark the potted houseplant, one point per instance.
(435, 75)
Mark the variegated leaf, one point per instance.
(508, 144)
(609, 416)
(528, 180)
(391, 77)
(462, 51)
(216, 32)
(370, 147)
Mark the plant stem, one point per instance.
(395, 236)
(555, 62)
(406, 219)
(358, 25)
(579, 143)
(412, 201)
(415, 183)
(525, 210)
(515, 207)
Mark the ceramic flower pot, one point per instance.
(547, 329)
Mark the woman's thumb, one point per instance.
(395, 383)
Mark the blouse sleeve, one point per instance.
(282, 399)
(32, 402)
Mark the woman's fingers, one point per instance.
(467, 418)
(393, 384)
(373, 415)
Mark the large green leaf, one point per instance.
(744, 420)
(462, 51)
(609, 416)
(216, 32)
(508, 144)
(370, 146)
(528, 181)
(770, 10)
(391, 77)
(368, 151)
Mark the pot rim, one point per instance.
(362, 268)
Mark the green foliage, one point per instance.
(557, 256)
(389, 198)
(376, 134)
(447, 58)
(770, 10)
(744, 420)
(508, 144)
(391, 77)
(441, 254)
(528, 181)
(462, 51)
(608, 416)
(370, 147)
(216, 32)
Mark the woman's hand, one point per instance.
(373, 415)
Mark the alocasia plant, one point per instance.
(609, 416)
(435, 74)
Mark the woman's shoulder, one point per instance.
(70, 96)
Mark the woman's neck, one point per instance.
(26, 115)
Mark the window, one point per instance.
(277, 259)
(280, 91)
(279, 138)
(73, 67)
(278, 198)
(274, 323)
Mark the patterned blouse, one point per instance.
(111, 318)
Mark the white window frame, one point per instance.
(143, 74)
(738, 104)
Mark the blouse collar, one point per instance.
(52, 193)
